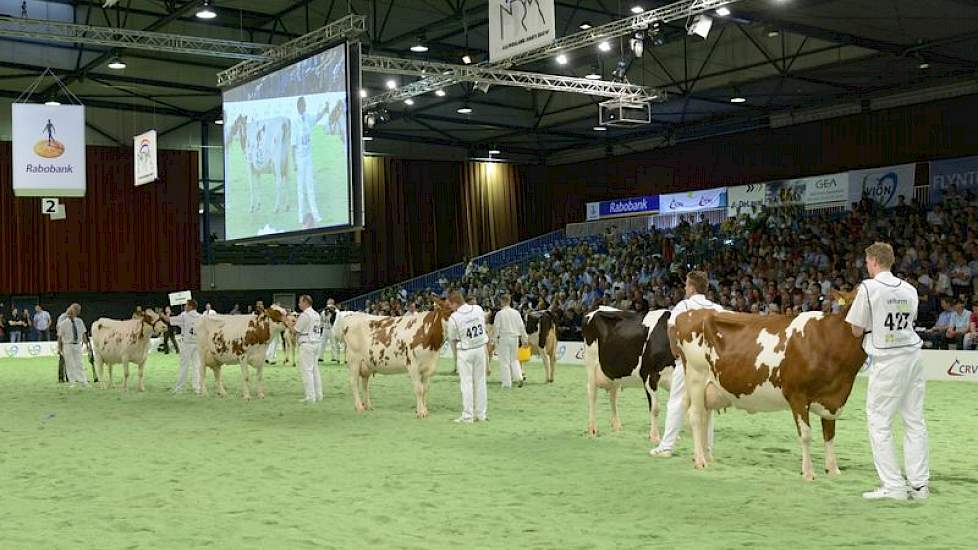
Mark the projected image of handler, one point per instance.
(304, 182)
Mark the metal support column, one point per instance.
(206, 180)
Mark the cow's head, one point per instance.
(152, 322)
(239, 130)
(278, 317)
(534, 321)
(844, 299)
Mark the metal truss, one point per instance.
(622, 27)
(34, 29)
(349, 26)
(449, 73)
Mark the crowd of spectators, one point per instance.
(23, 325)
(771, 261)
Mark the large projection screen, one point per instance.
(292, 150)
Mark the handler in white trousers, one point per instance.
(309, 330)
(329, 339)
(72, 338)
(883, 315)
(189, 360)
(467, 334)
(510, 333)
(696, 286)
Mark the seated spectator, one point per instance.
(970, 340)
(936, 334)
(959, 324)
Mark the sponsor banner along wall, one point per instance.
(622, 207)
(745, 199)
(961, 172)
(883, 185)
(812, 190)
(691, 201)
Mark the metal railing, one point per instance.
(496, 259)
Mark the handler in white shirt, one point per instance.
(467, 333)
(309, 331)
(510, 333)
(72, 337)
(696, 285)
(883, 315)
(187, 321)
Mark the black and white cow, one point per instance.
(626, 348)
(541, 327)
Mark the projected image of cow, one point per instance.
(286, 149)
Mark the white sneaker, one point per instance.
(883, 493)
(660, 452)
(920, 493)
(462, 420)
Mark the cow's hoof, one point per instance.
(833, 473)
(616, 427)
(808, 477)
(246, 397)
(261, 396)
(359, 408)
(423, 414)
(593, 432)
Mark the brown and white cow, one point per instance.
(124, 342)
(804, 363)
(266, 144)
(541, 327)
(237, 339)
(392, 345)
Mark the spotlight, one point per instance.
(419, 47)
(370, 120)
(600, 128)
(482, 87)
(464, 109)
(923, 65)
(493, 152)
(561, 59)
(637, 9)
(368, 138)
(363, 93)
(467, 59)
(392, 84)
(700, 26)
(117, 63)
(620, 69)
(409, 102)
(585, 26)
(205, 11)
(723, 11)
(604, 46)
(738, 99)
(773, 33)
(637, 44)
(52, 103)
(219, 122)
(440, 93)
(595, 73)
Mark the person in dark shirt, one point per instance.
(168, 335)
(3, 325)
(14, 326)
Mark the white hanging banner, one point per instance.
(179, 298)
(517, 26)
(144, 158)
(48, 150)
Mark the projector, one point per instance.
(624, 113)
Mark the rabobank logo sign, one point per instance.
(624, 207)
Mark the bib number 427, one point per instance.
(897, 321)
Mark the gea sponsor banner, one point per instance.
(48, 150)
(691, 201)
(622, 207)
(517, 26)
(144, 158)
(961, 173)
(813, 190)
(745, 199)
(883, 185)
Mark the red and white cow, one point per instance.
(804, 363)
(392, 345)
(124, 342)
(266, 144)
(237, 339)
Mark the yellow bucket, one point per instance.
(523, 355)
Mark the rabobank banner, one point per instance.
(691, 201)
(622, 207)
(48, 150)
(961, 173)
(883, 185)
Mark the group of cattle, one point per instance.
(805, 363)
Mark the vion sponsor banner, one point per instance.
(961, 173)
(48, 150)
(745, 199)
(883, 185)
(691, 201)
(622, 207)
(517, 26)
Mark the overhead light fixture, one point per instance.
(363, 93)
(219, 121)
(494, 152)
(419, 47)
(637, 9)
(200, 210)
(620, 69)
(604, 46)
(773, 33)
(923, 65)
(561, 59)
(723, 11)
(52, 103)
(595, 73)
(370, 120)
(205, 11)
(464, 109)
(117, 63)
(738, 99)
(467, 59)
(391, 84)
(409, 102)
(700, 26)
(368, 138)
(637, 43)
(585, 26)
(440, 93)
(600, 128)
(482, 87)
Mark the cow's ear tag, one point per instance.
(842, 301)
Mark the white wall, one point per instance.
(281, 277)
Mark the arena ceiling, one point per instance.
(780, 56)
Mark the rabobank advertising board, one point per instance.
(622, 207)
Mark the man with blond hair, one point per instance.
(883, 315)
(467, 334)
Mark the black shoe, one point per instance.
(520, 384)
